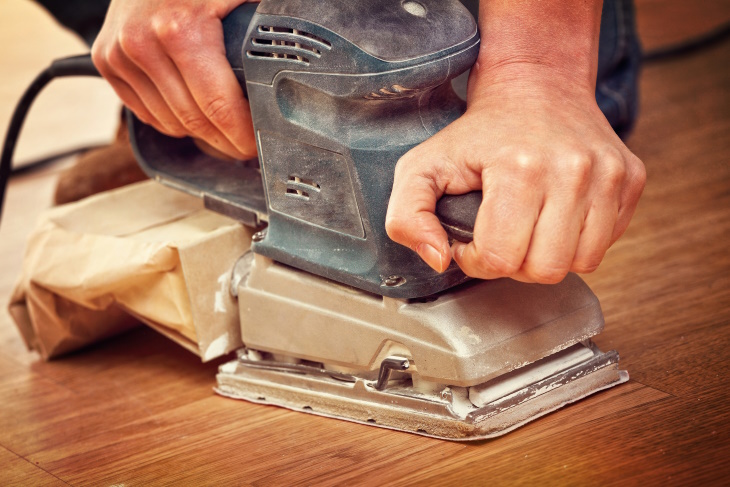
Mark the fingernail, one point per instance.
(431, 256)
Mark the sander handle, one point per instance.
(457, 213)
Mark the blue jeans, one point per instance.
(619, 54)
(619, 63)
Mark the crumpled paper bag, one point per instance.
(143, 251)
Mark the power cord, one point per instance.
(690, 46)
(70, 66)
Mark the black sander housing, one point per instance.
(337, 96)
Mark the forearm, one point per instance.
(554, 42)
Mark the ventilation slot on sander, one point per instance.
(273, 39)
(301, 188)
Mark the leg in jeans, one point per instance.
(619, 62)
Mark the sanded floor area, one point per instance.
(140, 410)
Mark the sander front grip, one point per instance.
(458, 213)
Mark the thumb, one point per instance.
(410, 219)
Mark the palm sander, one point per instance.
(338, 320)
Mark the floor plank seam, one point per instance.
(34, 464)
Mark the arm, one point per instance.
(166, 61)
(559, 186)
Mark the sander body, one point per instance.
(337, 319)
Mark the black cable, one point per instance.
(71, 66)
(34, 165)
(708, 39)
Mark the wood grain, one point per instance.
(668, 22)
(139, 410)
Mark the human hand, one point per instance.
(559, 186)
(166, 61)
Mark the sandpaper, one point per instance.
(145, 253)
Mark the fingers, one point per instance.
(168, 65)
(504, 224)
(615, 199)
(166, 78)
(553, 246)
(530, 244)
(632, 190)
(602, 215)
(141, 96)
(556, 195)
(411, 221)
(210, 100)
(557, 232)
(595, 238)
(529, 236)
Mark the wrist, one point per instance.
(519, 75)
(531, 43)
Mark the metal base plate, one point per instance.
(445, 414)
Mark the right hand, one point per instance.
(559, 186)
(166, 60)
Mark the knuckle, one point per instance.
(492, 263)
(173, 28)
(98, 56)
(132, 44)
(220, 111)
(578, 167)
(587, 264)
(407, 163)
(528, 166)
(638, 179)
(399, 168)
(195, 123)
(547, 274)
(115, 56)
(398, 229)
(614, 168)
(169, 33)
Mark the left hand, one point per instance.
(166, 60)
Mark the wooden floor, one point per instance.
(139, 410)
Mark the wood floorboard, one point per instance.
(17, 471)
(139, 410)
(668, 22)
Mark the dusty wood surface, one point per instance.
(139, 410)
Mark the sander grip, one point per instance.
(457, 214)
